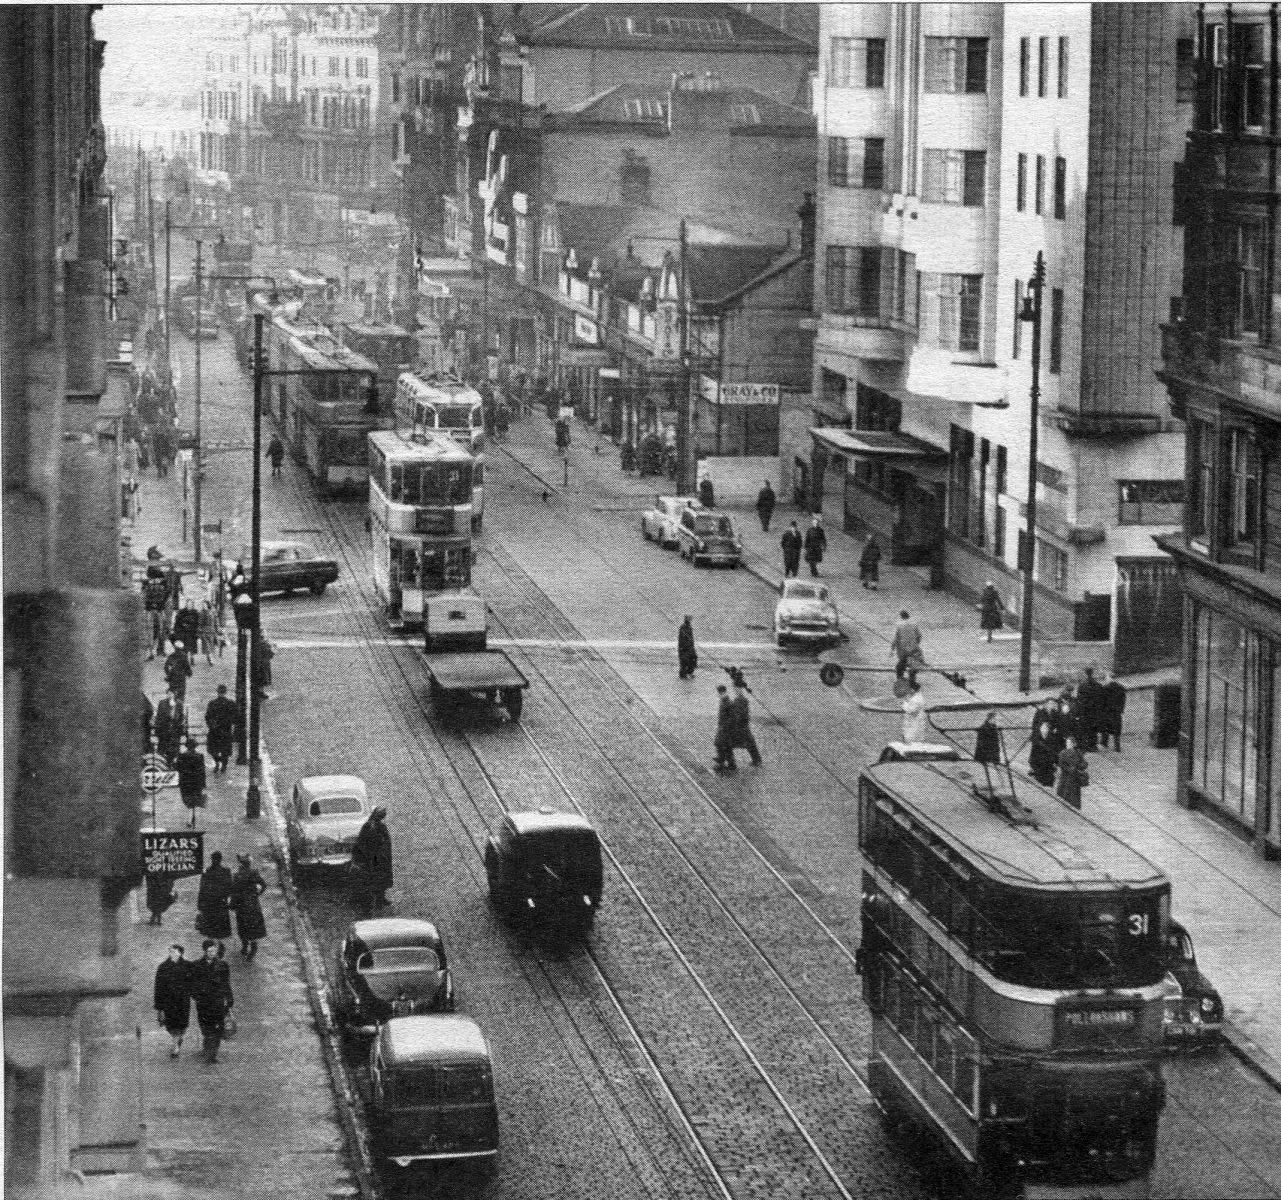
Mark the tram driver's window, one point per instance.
(397, 484)
(409, 568)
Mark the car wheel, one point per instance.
(318, 589)
(645, 531)
(781, 640)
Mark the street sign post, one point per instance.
(156, 776)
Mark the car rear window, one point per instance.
(400, 958)
(333, 806)
(469, 1084)
(805, 591)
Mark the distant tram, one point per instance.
(392, 348)
(420, 510)
(1012, 962)
(441, 403)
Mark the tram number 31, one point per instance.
(1138, 924)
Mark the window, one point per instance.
(879, 411)
(744, 114)
(960, 301)
(1063, 68)
(904, 302)
(1016, 347)
(956, 65)
(1056, 330)
(1020, 183)
(333, 66)
(511, 82)
(1051, 566)
(362, 68)
(395, 87)
(998, 531)
(1242, 459)
(838, 162)
(854, 280)
(954, 177)
(1233, 266)
(1038, 198)
(1150, 501)
(960, 479)
(856, 163)
(858, 63)
(1200, 513)
(1248, 55)
(645, 110)
(874, 164)
(1042, 65)
(1184, 71)
(1024, 57)
(1060, 188)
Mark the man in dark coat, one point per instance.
(221, 716)
(168, 727)
(1089, 698)
(791, 543)
(686, 654)
(246, 886)
(186, 628)
(371, 856)
(211, 989)
(1043, 755)
(869, 563)
(815, 544)
(276, 452)
(178, 671)
(191, 778)
(741, 728)
(725, 731)
(987, 741)
(172, 997)
(155, 595)
(991, 609)
(1074, 774)
(213, 918)
(707, 492)
(1112, 709)
(765, 500)
(262, 666)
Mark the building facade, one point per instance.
(1222, 367)
(956, 143)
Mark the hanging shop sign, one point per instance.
(749, 393)
(585, 330)
(669, 332)
(173, 854)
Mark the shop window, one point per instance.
(1241, 525)
(956, 65)
(875, 410)
(954, 177)
(858, 63)
(1150, 502)
(1051, 566)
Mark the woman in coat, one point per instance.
(1074, 774)
(371, 856)
(869, 563)
(992, 609)
(815, 545)
(246, 886)
(987, 741)
(1044, 753)
(213, 918)
(172, 997)
(211, 989)
(686, 654)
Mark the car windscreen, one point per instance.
(710, 525)
(468, 1083)
(563, 851)
(400, 958)
(335, 806)
(806, 591)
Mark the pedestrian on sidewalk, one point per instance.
(213, 919)
(173, 584)
(144, 448)
(1043, 755)
(178, 671)
(916, 721)
(987, 741)
(686, 654)
(724, 730)
(1069, 722)
(207, 627)
(791, 544)
(155, 597)
(191, 778)
(869, 563)
(1089, 694)
(991, 609)
(1113, 711)
(161, 438)
(221, 717)
(168, 727)
(706, 492)
(741, 721)
(186, 628)
(171, 997)
(371, 860)
(906, 644)
(211, 990)
(246, 886)
(275, 452)
(148, 715)
(1074, 774)
(815, 543)
(627, 457)
(262, 666)
(765, 501)
(160, 897)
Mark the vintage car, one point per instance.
(390, 967)
(805, 613)
(545, 867)
(431, 1083)
(293, 567)
(324, 816)
(658, 524)
(1193, 1011)
(709, 537)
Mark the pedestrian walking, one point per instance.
(144, 449)
(191, 778)
(987, 741)
(173, 597)
(765, 501)
(211, 989)
(155, 597)
(178, 671)
(213, 919)
(1113, 711)
(916, 722)
(171, 997)
(740, 725)
(168, 726)
(1068, 724)
(186, 628)
(160, 897)
(906, 644)
(160, 440)
(706, 492)
(724, 730)
(815, 543)
(246, 886)
(262, 666)
(686, 654)
(991, 609)
(869, 563)
(207, 628)
(371, 859)
(1089, 698)
(1074, 774)
(791, 543)
(275, 452)
(1043, 755)
(221, 718)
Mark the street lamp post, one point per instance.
(1031, 312)
(253, 796)
(195, 533)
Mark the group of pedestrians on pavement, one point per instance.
(1063, 729)
(733, 723)
(813, 542)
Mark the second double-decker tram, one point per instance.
(420, 515)
(1012, 963)
(442, 403)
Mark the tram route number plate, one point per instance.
(1098, 1018)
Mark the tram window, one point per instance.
(409, 567)
(890, 995)
(397, 484)
(964, 1079)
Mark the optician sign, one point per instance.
(173, 854)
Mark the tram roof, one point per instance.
(329, 357)
(449, 391)
(377, 329)
(1031, 840)
(430, 449)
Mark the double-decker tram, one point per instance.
(420, 493)
(1012, 964)
(394, 350)
(444, 403)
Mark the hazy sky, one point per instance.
(152, 47)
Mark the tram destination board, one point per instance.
(1078, 1026)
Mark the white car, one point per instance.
(324, 816)
(805, 613)
(659, 523)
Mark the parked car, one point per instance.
(390, 967)
(658, 524)
(545, 866)
(292, 567)
(324, 816)
(709, 537)
(431, 1084)
(1193, 1011)
(805, 613)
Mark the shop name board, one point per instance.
(749, 393)
(584, 330)
(173, 854)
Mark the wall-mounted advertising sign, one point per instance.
(584, 330)
(749, 393)
(173, 854)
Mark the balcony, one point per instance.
(1242, 372)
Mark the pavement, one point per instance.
(1228, 898)
(263, 1120)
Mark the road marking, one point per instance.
(512, 644)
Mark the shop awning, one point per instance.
(968, 400)
(901, 450)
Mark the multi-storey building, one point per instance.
(1222, 365)
(958, 142)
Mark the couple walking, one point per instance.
(207, 981)
(733, 724)
(813, 542)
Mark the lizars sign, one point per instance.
(173, 854)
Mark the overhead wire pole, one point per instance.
(1031, 311)
(168, 227)
(253, 796)
(687, 469)
(195, 533)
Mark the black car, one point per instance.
(294, 567)
(545, 867)
(390, 967)
(1194, 1016)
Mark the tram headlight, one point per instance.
(1207, 1005)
